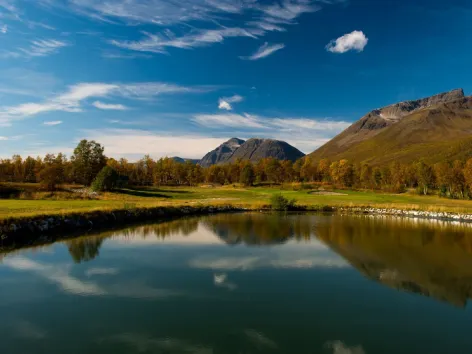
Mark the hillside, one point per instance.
(252, 150)
(184, 160)
(437, 128)
(222, 153)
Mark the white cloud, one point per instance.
(288, 10)
(134, 144)
(107, 106)
(37, 48)
(225, 102)
(3, 138)
(157, 43)
(228, 120)
(56, 122)
(165, 12)
(57, 275)
(304, 133)
(60, 276)
(290, 124)
(352, 41)
(4, 29)
(71, 100)
(276, 260)
(264, 51)
(221, 280)
(339, 347)
(8, 5)
(281, 124)
(206, 21)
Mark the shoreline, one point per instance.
(29, 231)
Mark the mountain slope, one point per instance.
(222, 153)
(252, 150)
(435, 128)
(257, 149)
(183, 160)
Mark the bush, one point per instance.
(279, 202)
(106, 180)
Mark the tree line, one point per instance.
(89, 166)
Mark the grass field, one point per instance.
(247, 197)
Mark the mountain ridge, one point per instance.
(253, 150)
(406, 131)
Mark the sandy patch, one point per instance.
(326, 193)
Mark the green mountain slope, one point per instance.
(438, 130)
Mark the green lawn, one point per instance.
(249, 197)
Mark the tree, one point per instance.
(468, 174)
(247, 175)
(346, 173)
(425, 176)
(51, 176)
(88, 160)
(324, 170)
(106, 180)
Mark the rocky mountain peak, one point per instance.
(397, 111)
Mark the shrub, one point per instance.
(106, 180)
(279, 202)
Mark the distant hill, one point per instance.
(252, 150)
(437, 128)
(183, 160)
(222, 153)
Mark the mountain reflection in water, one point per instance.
(430, 258)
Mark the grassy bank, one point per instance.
(62, 203)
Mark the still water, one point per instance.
(245, 283)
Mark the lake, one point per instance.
(245, 283)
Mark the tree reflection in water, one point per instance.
(426, 257)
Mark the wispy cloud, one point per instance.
(208, 21)
(107, 106)
(264, 51)
(157, 43)
(352, 41)
(289, 10)
(228, 120)
(4, 29)
(225, 102)
(3, 138)
(339, 347)
(306, 134)
(60, 275)
(134, 143)
(255, 121)
(51, 123)
(37, 48)
(72, 100)
(8, 5)
(165, 12)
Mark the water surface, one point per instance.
(245, 283)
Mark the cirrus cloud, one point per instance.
(109, 106)
(264, 51)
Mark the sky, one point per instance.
(178, 78)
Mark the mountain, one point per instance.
(222, 153)
(402, 258)
(407, 131)
(252, 150)
(183, 160)
(257, 149)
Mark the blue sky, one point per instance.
(170, 78)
